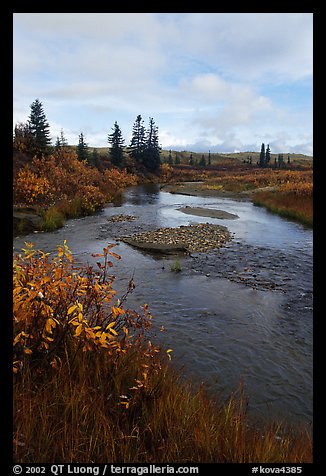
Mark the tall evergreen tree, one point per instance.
(116, 140)
(152, 159)
(61, 141)
(202, 161)
(94, 159)
(57, 145)
(267, 155)
(82, 148)
(137, 143)
(177, 160)
(39, 128)
(262, 157)
(280, 160)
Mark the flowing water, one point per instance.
(241, 312)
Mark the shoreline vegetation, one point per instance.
(90, 387)
(50, 190)
(288, 193)
(43, 200)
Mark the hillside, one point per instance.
(218, 158)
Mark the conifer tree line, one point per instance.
(265, 158)
(142, 154)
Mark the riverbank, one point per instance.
(289, 196)
(88, 391)
(201, 190)
(26, 220)
(48, 191)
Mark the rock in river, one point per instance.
(193, 238)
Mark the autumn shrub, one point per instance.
(62, 179)
(58, 308)
(250, 179)
(90, 386)
(166, 172)
(114, 181)
(91, 199)
(31, 189)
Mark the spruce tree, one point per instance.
(61, 141)
(268, 155)
(94, 159)
(280, 160)
(57, 145)
(202, 161)
(137, 143)
(262, 157)
(116, 140)
(39, 128)
(82, 148)
(152, 159)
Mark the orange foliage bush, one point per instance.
(31, 189)
(62, 176)
(60, 309)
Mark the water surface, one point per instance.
(244, 311)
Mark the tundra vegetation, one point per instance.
(89, 384)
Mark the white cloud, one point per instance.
(253, 46)
(203, 77)
(225, 105)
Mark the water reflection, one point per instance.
(142, 194)
(220, 330)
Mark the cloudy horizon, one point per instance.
(223, 82)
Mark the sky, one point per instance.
(219, 82)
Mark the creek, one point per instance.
(241, 312)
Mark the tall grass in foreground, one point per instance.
(75, 416)
(89, 386)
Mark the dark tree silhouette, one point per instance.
(39, 128)
(116, 141)
(82, 148)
